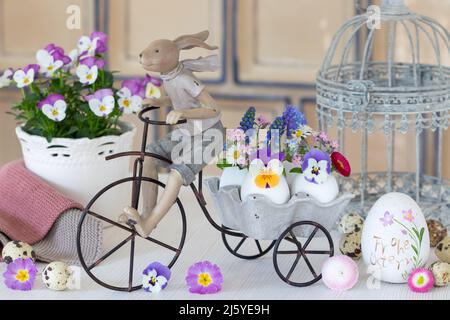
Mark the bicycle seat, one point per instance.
(146, 119)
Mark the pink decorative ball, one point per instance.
(340, 273)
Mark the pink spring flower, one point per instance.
(262, 121)
(204, 278)
(408, 215)
(20, 274)
(323, 136)
(420, 280)
(297, 160)
(237, 135)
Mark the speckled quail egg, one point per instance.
(56, 276)
(437, 231)
(442, 250)
(17, 249)
(350, 245)
(441, 273)
(351, 222)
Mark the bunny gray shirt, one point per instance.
(183, 88)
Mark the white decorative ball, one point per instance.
(56, 276)
(17, 249)
(395, 238)
(323, 192)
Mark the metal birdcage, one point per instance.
(358, 93)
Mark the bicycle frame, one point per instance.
(138, 166)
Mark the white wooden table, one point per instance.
(254, 279)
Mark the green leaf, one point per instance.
(415, 249)
(296, 170)
(414, 229)
(421, 234)
(224, 165)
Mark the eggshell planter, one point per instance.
(77, 167)
(259, 218)
(232, 176)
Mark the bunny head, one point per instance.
(266, 180)
(163, 55)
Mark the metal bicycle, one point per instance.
(234, 240)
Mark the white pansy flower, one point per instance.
(87, 75)
(47, 64)
(316, 171)
(5, 79)
(128, 103)
(152, 91)
(103, 107)
(55, 112)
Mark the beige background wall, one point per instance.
(271, 51)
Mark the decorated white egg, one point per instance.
(322, 192)
(266, 180)
(17, 249)
(395, 238)
(56, 276)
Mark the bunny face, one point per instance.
(163, 55)
(268, 181)
(160, 56)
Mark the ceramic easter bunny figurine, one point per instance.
(190, 101)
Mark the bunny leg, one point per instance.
(168, 198)
(149, 190)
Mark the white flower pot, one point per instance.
(232, 176)
(78, 169)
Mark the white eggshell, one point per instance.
(278, 194)
(232, 176)
(56, 276)
(290, 176)
(324, 192)
(388, 238)
(17, 249)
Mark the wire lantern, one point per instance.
(356, 91)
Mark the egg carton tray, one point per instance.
(259, 218)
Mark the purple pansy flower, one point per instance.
(101, 102)
(316, 166)
(54, 107)
(204, 278)
(155, 277)
(24, 77)
(388, 219)
(20, 274)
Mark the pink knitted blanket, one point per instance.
(28, 205)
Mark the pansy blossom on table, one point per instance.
(72, 95)
(155, 277)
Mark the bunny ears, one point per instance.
(190, 41)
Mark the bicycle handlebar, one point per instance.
(155, 122)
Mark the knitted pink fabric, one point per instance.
(28, 205)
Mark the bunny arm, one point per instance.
(208, 110)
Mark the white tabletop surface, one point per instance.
(254, 279)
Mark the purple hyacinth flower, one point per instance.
(20, 274)
(204, 278)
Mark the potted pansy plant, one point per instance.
(69, 117)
